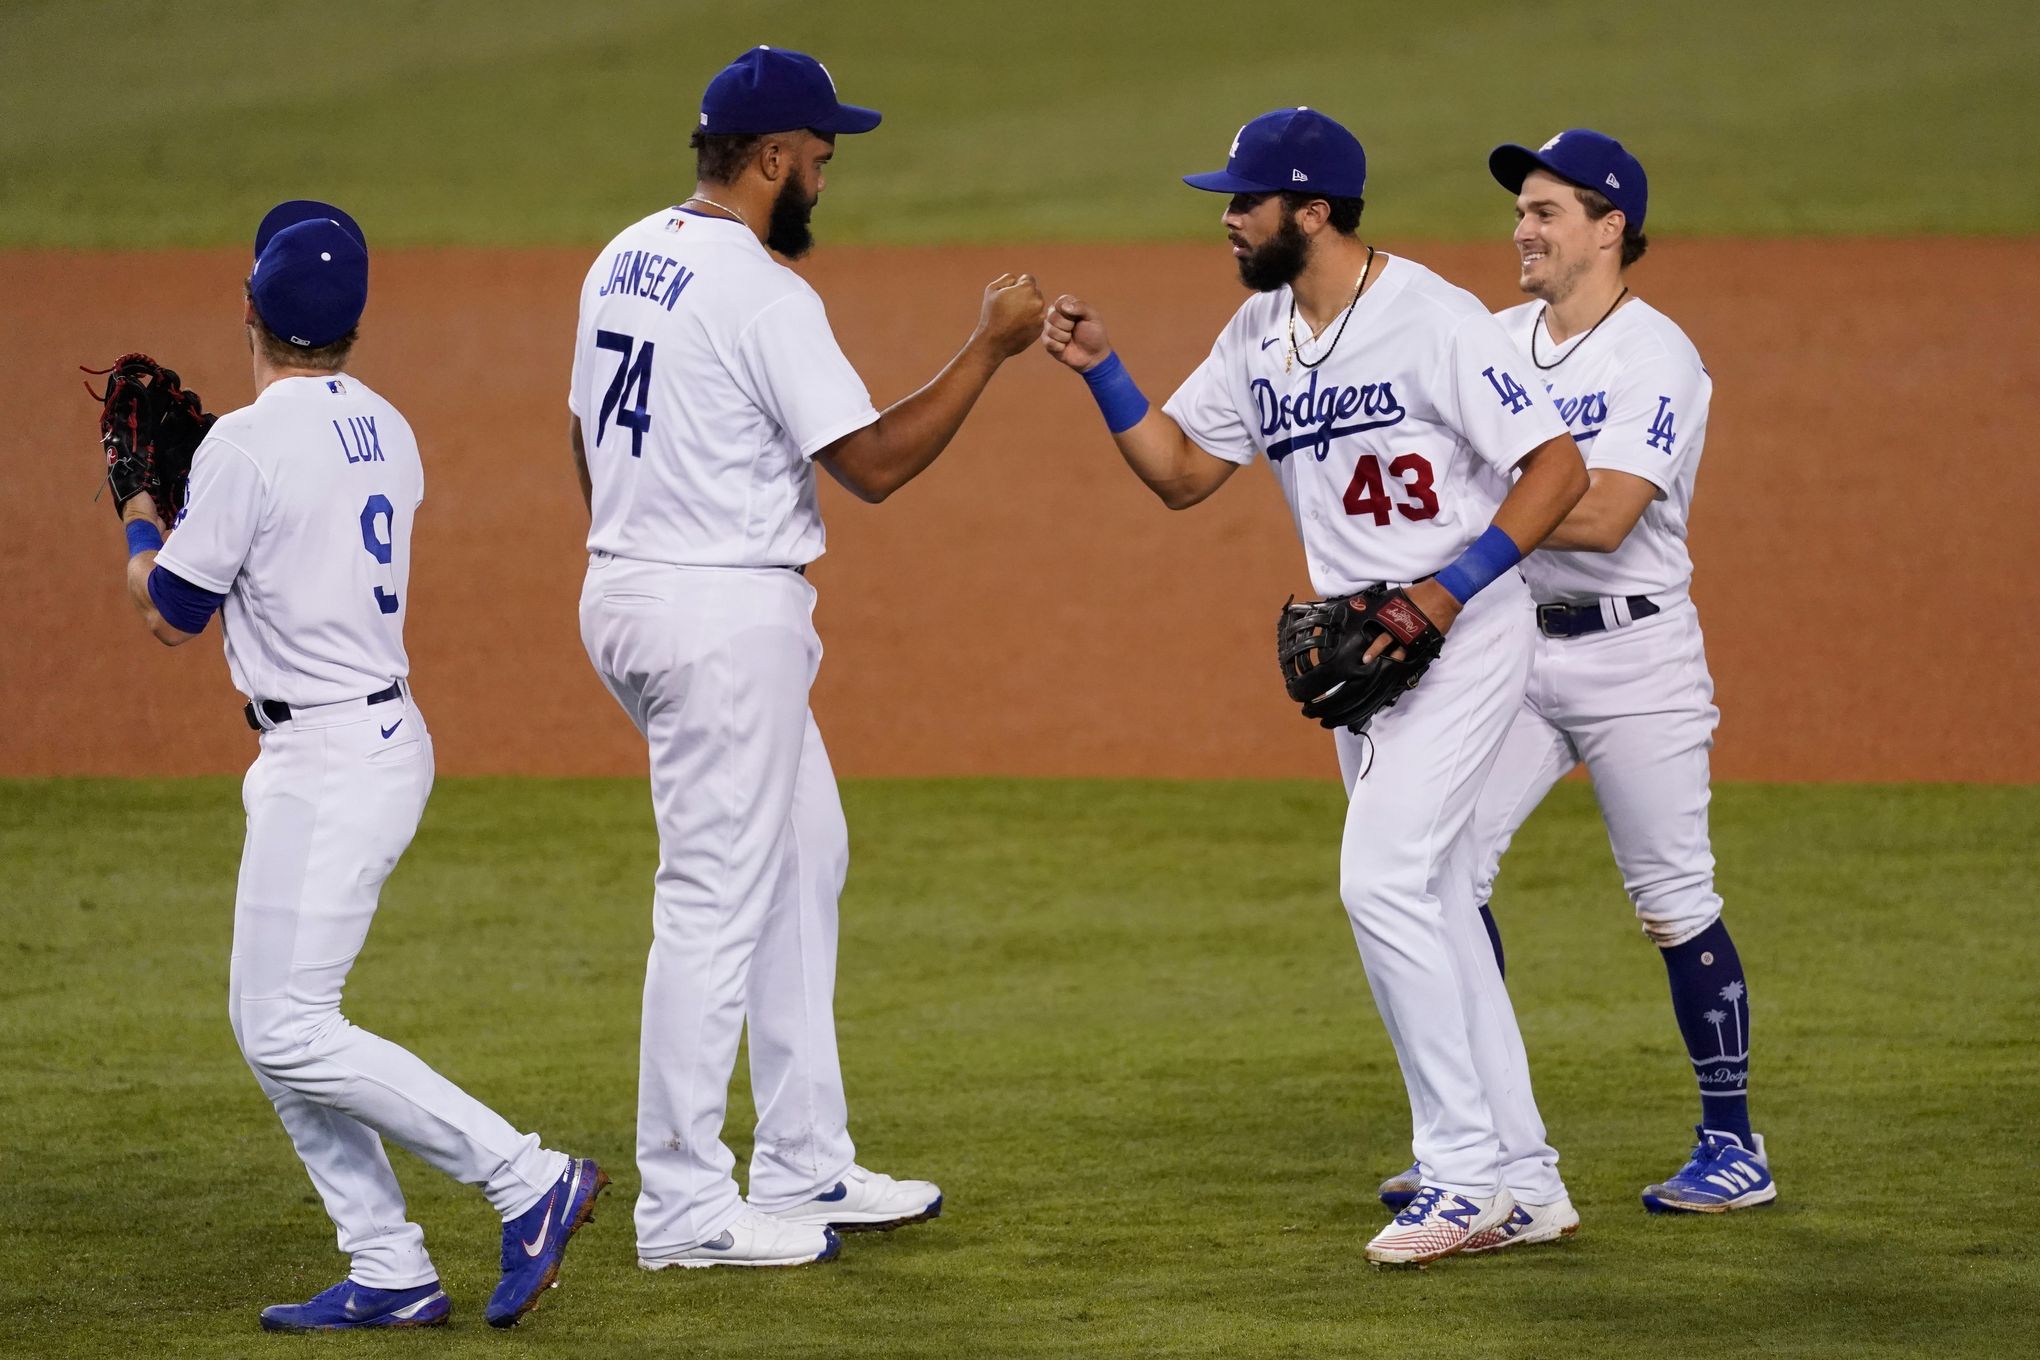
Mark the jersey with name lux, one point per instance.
(1634, 394)
(1394, 451)
(706, 379)
(300, 514)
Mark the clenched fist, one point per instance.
(1073, 333)
(1011, 315)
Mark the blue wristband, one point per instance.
(1118, 399)
(142, 536)
(1493, 553)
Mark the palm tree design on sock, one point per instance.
(1715, 1018)
(1733, 995)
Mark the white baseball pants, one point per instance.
(713, 665)
(1406, 875)
(332, 804)
(1637, 705)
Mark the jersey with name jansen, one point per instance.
(706, 379)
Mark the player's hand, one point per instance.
(1073, 333)
(1011, 315)
(1438, 606)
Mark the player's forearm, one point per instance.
(1601, 522)
(910, 434)
(581, 463)
(138, 568)
(1586, 529)
(1177, 471)
(1553, 480)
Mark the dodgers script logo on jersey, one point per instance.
(1584, 415)
(1315, 410)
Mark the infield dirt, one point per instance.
(1864, 526)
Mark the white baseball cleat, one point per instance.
(755, 1240)
(1437, 1223)
(1528, 1224)
(866, 1201)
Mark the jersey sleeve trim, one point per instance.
(831, 433)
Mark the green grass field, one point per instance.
(147, 123)
(1123, 1023)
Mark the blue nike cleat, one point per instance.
(1722, 1175)
(348, 1305)
(1398, 1190)
(535, 1241)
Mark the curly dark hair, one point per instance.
(719, 157)
(1345, 214)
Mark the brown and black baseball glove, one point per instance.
(1321, 643)
(150, 426)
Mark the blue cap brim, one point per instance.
(850, 118)
(1226, 182)
(1511, 165)
(296, 210)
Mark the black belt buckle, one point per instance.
(1550, 620)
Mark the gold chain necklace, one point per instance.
(704, 198)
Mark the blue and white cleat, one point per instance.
(866, 1201)
(1437, 1223)
(535, 1241)
(1398, 1190)
(1722, 1175)
(1528, 1225)
(348, 1305)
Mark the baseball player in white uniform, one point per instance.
(707, 387)
(1618, 674)
(298, 532)
(1392, 411)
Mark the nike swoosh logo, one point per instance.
(727, 1240)
(391, 728)
(1269, 341)
(840, 1192)
(537, 1245)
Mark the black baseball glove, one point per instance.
(150, 426)
(1321, 643)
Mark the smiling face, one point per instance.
(1557, 244)
(1267, 244)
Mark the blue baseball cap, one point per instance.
(1582, 156)
(1295, 150)
(310, 282)
(773, 89)
(296, 210)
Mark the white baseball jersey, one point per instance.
(300, 514)
(705, 379)
(1395, 451)
(1635, 396)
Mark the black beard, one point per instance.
(1276, 262)
(787, 232)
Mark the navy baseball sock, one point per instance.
(1712, 1005)
(1494, 938)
